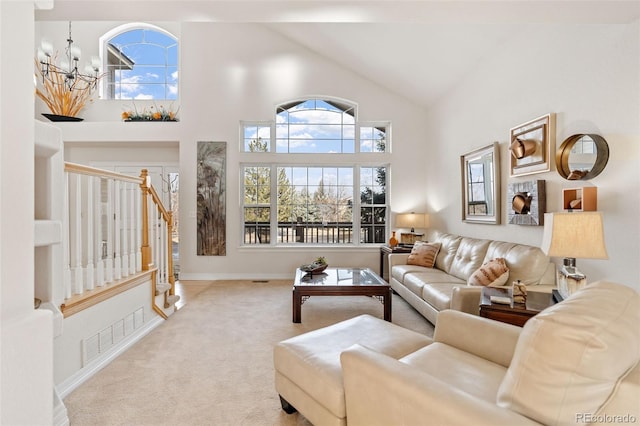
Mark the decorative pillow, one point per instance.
(423, 254)
(571, 357)
(493, 273)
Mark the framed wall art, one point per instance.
(531, 146)
(526, 203)
(481, 185)
(211, 199)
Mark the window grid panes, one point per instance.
(373, 204)
(315, 126)
(256, 137)
(141, 63)
(314, 204)
(373, 139)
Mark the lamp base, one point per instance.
(410, 238)
(570, 279)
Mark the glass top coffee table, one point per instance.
(340, 282)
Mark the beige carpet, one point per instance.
(211, 363)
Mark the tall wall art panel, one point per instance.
(211, 199)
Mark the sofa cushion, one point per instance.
(415, 282)
(526, 263)
(493, 273)
(448, 247)
(459, 369)
(574, 354)
(399, 272)
(470, 255)
(438, 295)
(423, 254)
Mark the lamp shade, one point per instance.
(412, 220)
(578, 235)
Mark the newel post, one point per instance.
(145, 249)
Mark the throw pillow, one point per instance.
(493, 273)
(423, 254)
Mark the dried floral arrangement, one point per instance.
(60, 98)
(151, 113)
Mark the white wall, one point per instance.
(234, 72)
(589, 76)
(26, 345)
(114, 318)
(586, 74)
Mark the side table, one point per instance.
(386, 250)
(514, 313)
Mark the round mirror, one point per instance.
(582, 156)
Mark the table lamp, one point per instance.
(411, 220)
(573, 235)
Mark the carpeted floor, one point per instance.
(211, 363)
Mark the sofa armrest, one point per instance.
(397, 259)
(492, 340)
(380, 390)
(466, 299)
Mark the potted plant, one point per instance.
(64, 97)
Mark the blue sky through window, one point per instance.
(155, 71)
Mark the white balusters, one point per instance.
(117, 259)
(75, 227)
(138, 230)
(122, 230)
(66, 258)
(103, 229)
(89, 276)
(97, 232)
(109, 261)
(132, 229)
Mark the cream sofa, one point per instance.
(576, 362)
(432, 290)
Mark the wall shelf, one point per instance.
(583, 199)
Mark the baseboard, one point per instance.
(60, 417)
(242, 276)
(74, 381)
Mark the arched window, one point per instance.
(321, 180)
(140, 62)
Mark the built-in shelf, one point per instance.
(583, 199)
(47, 232)
(48, 214)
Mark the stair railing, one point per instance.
(111, 239)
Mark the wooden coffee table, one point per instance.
(340, 282)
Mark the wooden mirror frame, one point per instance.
(489, 218)
(563, 153)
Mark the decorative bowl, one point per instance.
(313, 268)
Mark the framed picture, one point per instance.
(481, 185)
(526, 203)
(531, 146)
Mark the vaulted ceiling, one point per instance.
(419, 49)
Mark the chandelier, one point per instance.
(67, 72)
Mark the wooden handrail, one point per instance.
(158, 203)
(92, 171)
(146, 269)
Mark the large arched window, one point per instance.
(322, 180)
(140, 62)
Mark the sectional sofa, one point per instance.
(445, 285)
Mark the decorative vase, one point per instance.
(393, 241)
(56, 117)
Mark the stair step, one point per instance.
(172, 300)
(162, 287)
